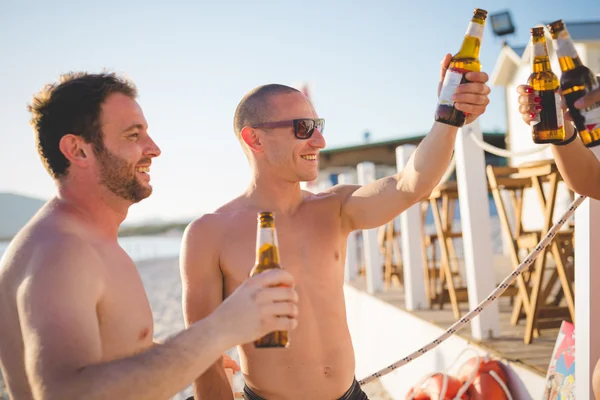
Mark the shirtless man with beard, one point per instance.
(76, 321)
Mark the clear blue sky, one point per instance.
(371, 65)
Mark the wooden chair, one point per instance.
(534, 287)
(443, 282)
(389, 246)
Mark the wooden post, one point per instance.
(410, 226)
(373, 258)
(476, 230)
(351, 268)
(587, 293)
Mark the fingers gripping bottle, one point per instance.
(466, 60)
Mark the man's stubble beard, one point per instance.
(119, 176)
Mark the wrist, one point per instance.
(569, 140)
(444, 128)
(217, 331)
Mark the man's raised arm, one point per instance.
(376, 203)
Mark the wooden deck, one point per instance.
(508, 345)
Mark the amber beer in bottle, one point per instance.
(575, 81)
(548, 126)
(267, 257)
(466, 60)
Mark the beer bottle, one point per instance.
(267, 257)
(576, 80)
(548, 126)
(466, 60)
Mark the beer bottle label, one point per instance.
(592, 117)
(565, 46)
(559, 113)
(475, 30)
(539, 49)
(537, 119)
(451, 81)
(592, 113)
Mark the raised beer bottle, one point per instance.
(575, 81)
(466, 60)
(548, 126)
(267, 257)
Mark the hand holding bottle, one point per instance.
(530, 107)
(470, 97)
(259, 306)
(462, 93)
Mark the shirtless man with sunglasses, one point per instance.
(282, 135)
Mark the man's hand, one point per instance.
(264, 303)
(471, 97)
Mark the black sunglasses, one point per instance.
(303, 127)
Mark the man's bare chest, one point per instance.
(124, 313)
(311, 251)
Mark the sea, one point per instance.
(141, 248)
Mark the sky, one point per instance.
(370, 66)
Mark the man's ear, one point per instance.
(251, 138)
(75, 149)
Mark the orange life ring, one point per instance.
(490, 381)
(433, 386)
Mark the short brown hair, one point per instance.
(254, 107)
(72, 106)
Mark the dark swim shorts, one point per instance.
(354, 393)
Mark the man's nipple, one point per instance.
(144, 333)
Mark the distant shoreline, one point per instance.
(144, 230)
(153, 229)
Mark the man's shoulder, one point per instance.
(219, 220)
(47, 258)
(340, 190)
(336, 194)
(48, 238)
(210, 227)
(66, 248)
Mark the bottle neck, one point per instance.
(540, 61)
(267, 248)
(472, 41)
(566, 52)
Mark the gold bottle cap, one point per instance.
(480, 13)
(537, 31)
(264, 215)
(556, 26)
